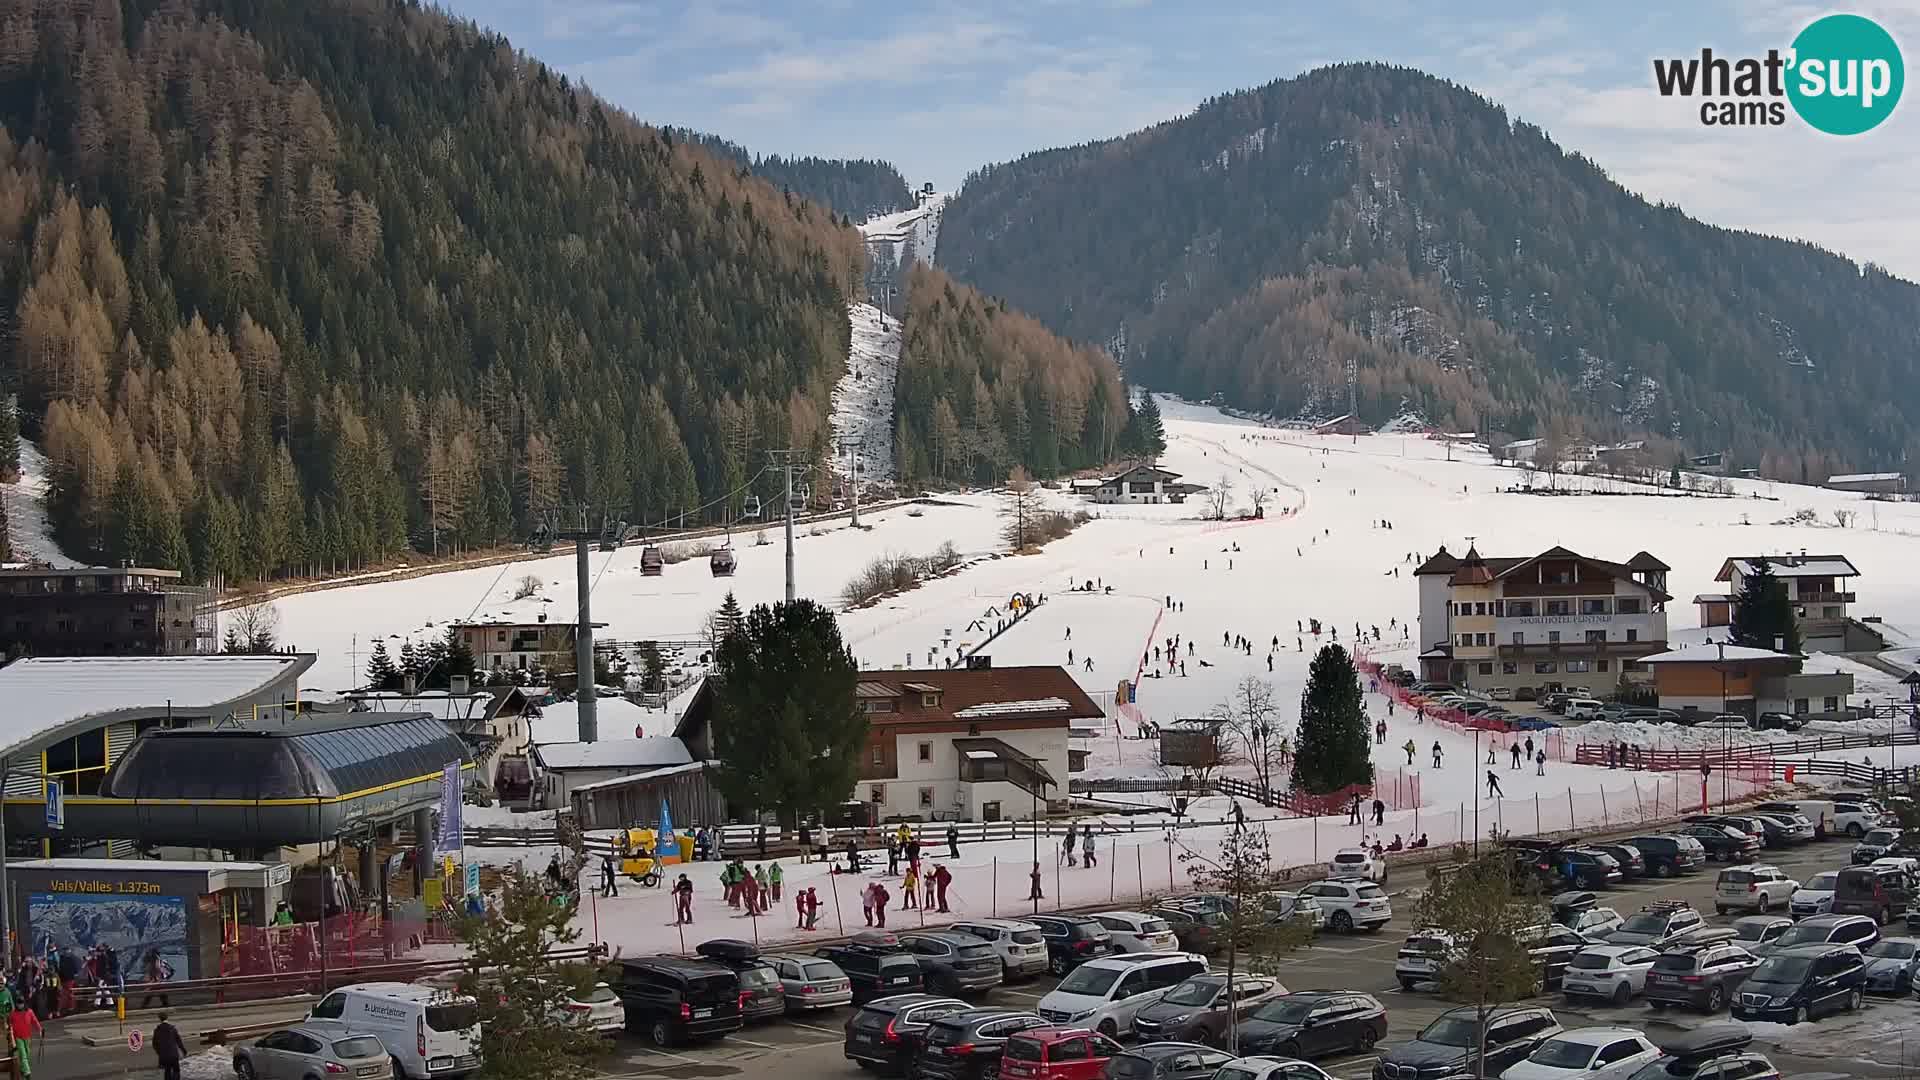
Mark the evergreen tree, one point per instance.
(528, 1034)
(412, 663)
(1150, 434)
(456, 658)
(1493, 963)
(786, 726)
(6, 534)
(1763, 616)
(1334, 748)
(653, 676)
(381, 672)
(727, 619)
(9, 439)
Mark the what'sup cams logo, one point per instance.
(1842, 76)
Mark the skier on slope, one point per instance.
(1411, 749)
(1436, 753)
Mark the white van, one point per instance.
(1103, 994)
(431, 1033)
(1585, 708)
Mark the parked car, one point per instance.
(1651, 716)
(1271, 1068)
(1632, 864)
(1072, 940)
(1056, 1053)
(1756, 887)
(1703, 977)
(597, 1009)
(1132, 931)
(1667, 854)
(1601, 1053)
(954, 963)
(1309, 1024)
(1722, 842)
(1197, 1010)
(1105, 994)
(1779, 721)
(1282, 906)
(887, 1033)
(1874, 844)
(1421, 956)
(1592, 869)
(1856, 819)
(809, 982)
(428, 1031)
(1815, 895)
(1753, 930)
(1710, 1052)
(1352, 905)
(1608, 972)
(1794, 985)
(875, 971)
(1656, 924)
(761, 995)
(1858, 931)
(1878, 891)
(1726, 721)
(1194, 931)
(1784, 828)
(1553, 946)
(1019, 945)
(967, 1045)
(1166, 1061)
(1818, 812)
(1595, 924)
(1449, 1045)
(308, 1051)
(1349, 863)
(1582, 708)
(675, 1000)
(1891, 965)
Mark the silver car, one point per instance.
(809, 982)
(313, 1053)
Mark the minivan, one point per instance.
(1877, 891)
(430, 1033)
(1803, 983)
(1666, 856)
(1105, 994)
(675, 1000)
(1858, 931)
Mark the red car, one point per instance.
(1057, 1054)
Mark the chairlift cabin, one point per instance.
(750, 507)
(721, 562)
(652, 563)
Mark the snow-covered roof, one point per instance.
(1863, 478)
(1713, 598)
(158, 866)
(1792, 566)
(649, 774)
(654, 750)
(1002, 708)
(1711, 654)
(45, 694)
(981, 755)
(615, 717)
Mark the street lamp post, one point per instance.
(1476, 794)
(1726, 734)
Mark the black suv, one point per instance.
(1797, 984)
(1666, 856)
(1448, 1046)
(1632, 864)
(1703, 977)
(887, 1033)
(1072, 940)
(875, 971)
(953, 962)
(1723, 840)
(1592, 869)
(675, 1000)
(967, 1045)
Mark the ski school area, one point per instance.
(1344, 524)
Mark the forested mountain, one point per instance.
(1470, 268)
(297, 283)
(983, 388)
(855, 189)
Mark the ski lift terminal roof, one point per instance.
(53, 697)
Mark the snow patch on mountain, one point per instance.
(906, 235)
(863, 400)
(26, 498)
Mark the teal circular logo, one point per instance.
(1846, 76)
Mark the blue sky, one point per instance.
(940, 89)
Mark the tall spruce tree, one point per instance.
(382, 674)
(1146, 435)
(785, 722)
(1764, 616)
(1334, 751)
(9, 439)
(456, 658)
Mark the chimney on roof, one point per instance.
(457, 684)
(543, 616)
(410, 684)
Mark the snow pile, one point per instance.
(863, 399)
(26, 497)
(213, 1064)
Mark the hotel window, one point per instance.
(1519, 637)
(1544, 667)
(1553, 637)
(1633, 635)
(926, 798)
(1800, 706)
(926, 751)
(1499, 608)
(1602, 665)
(1520, 609)
(1480, 640)
(1509, 668)
(879, 756)
(1479, 609)
(1593, 606)
(1486, 669)
(1464, 640)
(1832, 704)
(1596, 637)
(1628, 605)
(929, 701)
(1559, 607)
(1576, 667)
(500, 636)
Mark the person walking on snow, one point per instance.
(1380, 732)
(1033, 892)
(880, 898)
(1516, 755)
(1353, 811)
(683, 900)
(953, 841)
(1540, 761)
(941, 879)
(1086, 848)
(866, 903)
(1066, 846)
(1493, 753)
(774, 878)
(1529, 746)
(1379, 812)
(1436, 753)
(1411, 750)
(1493, 784)
(813, 908)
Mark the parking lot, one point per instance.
(1864, 1044)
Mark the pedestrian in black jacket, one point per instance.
(169, 1048)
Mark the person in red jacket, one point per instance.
(24, 1025)
(940, 880)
